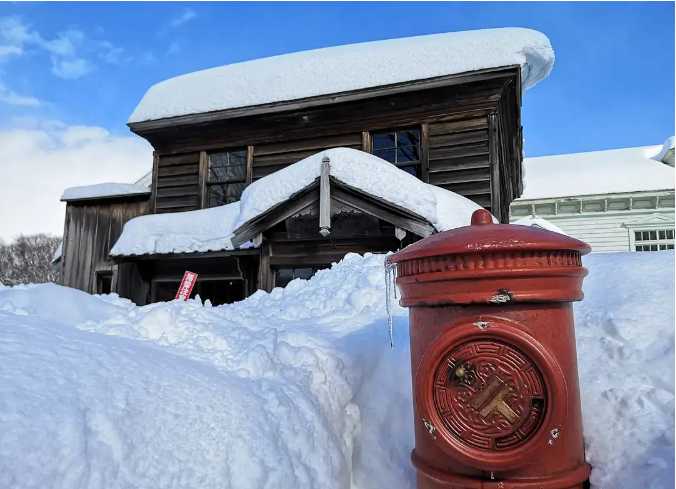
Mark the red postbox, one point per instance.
(493, 359)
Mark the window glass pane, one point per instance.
(386, 154)
(653, 247)
(219, 194)
(413, 170)
(662, 234)
(283, 277)
(408, 138)
(637, 235)
(653, 235)
(227, 166)
(407, 153)
(646, 235)
(670, 234)
(670, 247)
(663, 247)
(384, 140)
(304, 273)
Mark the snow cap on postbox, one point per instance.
(490, 263)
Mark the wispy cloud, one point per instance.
(70, 51)
(186, 16)
(10, 97)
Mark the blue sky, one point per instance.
(612, 84)
(71, 74)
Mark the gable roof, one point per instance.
(597, 172)
(347, 68)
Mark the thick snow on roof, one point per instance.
(344, 68)
(295, 388)
(101, 190)
(539, 222)
(596, 172)
(211, 229)
(375, 176)
(178, 232)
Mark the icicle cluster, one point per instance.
(390, 289)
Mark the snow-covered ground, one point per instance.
(297, 388)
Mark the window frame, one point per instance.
(209, 183)
(416, 164)
(652, 239)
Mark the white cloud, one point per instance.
(70, 50)
(71, 69)
(185, 16)
(39, 162)
(10, 97)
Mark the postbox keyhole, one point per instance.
(462, 373)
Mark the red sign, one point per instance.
(186, 285)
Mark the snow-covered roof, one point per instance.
(344, 68)
(178, 232)
(596, 172)
(104, 190)
(539, 222)
(366, 172)
(212, 229)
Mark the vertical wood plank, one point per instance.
(265, 276)
(424, 153)
(153, 186)
(494, 161)
(249, 163)
(203, 175)
(366, 141)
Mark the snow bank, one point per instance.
(295, 388)
(101, 190)
(178, 232)
(596, 172)
(212, 229)
(349, 67)
(364, 171)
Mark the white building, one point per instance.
(615, 200)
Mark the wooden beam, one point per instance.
(424, 152)
(153, 185)
(325, 198)
(249, 163)
(494, 160)
(203, 176)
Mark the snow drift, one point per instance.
(295, 388)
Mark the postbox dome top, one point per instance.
(482, 236)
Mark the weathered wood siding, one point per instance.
(270, 157)
(177, 184)
(459, 158)
(90, 231)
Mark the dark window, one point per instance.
(217, 290)
(400, 147)
(284, 275)
(654, 240)
(104, 282)
(227, 177)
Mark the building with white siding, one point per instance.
(615, 200)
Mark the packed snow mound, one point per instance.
(349, 67)
(103, 190)
(596, 172)
(212, 229)
(178, 232)
(295, 388)
(539, 222)
(442, 208)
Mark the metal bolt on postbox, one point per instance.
(493, 359)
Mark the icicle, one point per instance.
(390, 283)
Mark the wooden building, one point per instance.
(615, 200)
(458, 130)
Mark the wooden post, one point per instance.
(203, 177)
(325, 198)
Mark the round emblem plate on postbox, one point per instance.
(489, 394)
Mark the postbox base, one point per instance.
(429, 477)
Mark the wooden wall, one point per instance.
(90, 231)
(470, 140)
